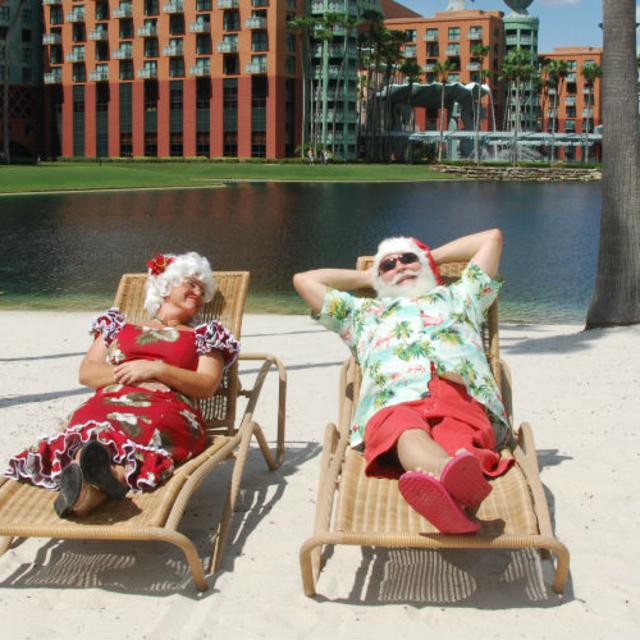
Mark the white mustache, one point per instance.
(401, 276)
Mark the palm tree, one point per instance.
(479, 52)
(589, 73)
(442, 71)
(5, 92)
(556, 72)
(391, 55)
(412, 72)
(302, 26)
(520, 69)
(616, 295)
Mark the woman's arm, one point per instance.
(200, 383)
(95, 372)
(483, 249)
(312, 285)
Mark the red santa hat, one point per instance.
(405, 244)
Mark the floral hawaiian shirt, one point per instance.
(396, 340)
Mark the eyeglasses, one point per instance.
(194, 284)
(404, 258)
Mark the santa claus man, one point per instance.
(429, 412)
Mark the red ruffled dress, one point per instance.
(149, 432)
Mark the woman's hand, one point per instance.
(137, 371)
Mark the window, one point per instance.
(27, 74)
(259, 41)
(151, 47)
(175, 144)
(150, 143)
(126, 70)
(231, 64)
(290, 68)
(175, 95)
(27, 55)
(126, 28)
(291, 43)
(258, 144)
(231, 20)
(202, 143)
(26, 35)
(102, 10)
(3, 52)
(55, 15)
(203, 5)
(26, 15)
(102, 51)
(78, 32)
(454, 34)
(176, 24)
(433, 49)
(410, 34)
(431, 35)
(78, 72)
(5, 13)
(151, 7)
(203, 44)
(176, 67)
(230, 144)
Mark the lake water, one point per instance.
(69, 250)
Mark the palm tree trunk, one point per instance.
(586, 132)
(616, 295)
(441, 146)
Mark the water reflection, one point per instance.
(54, 245)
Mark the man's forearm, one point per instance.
(312, 285)
(484, 248)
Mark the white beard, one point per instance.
(419, 286)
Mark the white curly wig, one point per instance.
(180, 267)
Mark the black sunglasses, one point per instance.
(389, 263)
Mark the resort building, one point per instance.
(575, 106)
(171, 78)
(470, 41)
(21, 68)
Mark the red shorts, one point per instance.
(450, 416)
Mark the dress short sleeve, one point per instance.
(108, 325)
(213, 336)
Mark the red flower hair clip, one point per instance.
(158, 264)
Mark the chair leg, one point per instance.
(232, 495)
(191, 555)
(5, 543)
(264, 447)
(308, 550)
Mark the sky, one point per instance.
(563, 23)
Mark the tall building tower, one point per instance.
(521, 32)
(171, 78)
(334, 74)
(21, 68)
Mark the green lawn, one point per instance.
(60, 176)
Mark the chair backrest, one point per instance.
(227, 306)
(450, 272)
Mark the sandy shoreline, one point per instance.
(578, 390)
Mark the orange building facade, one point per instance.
(579, 105)
(164, 78)
(453, 35)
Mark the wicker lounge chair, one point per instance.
(27, 511)
(355, 510)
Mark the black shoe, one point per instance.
(70, 488)
(95, 463)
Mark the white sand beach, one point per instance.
(579, 391)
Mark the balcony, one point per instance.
(147, 73)
(571, 77)
(256, 67)
(526, 40)
(53, 77)
(475, 34)
(338, 115)
(51, 3)
(124, 53)
(256, 22)
(123, 11)
(335, 50)
(227, 47)
(333, 71)
(75, 16)
(409, 52)
(228, 4)
(176, 6)
(551, 91)
(474, 66)
(51, 38)
(100, 35)
(587, 113)
(173, 50)
(200, 70)
(75, 56)
(570, 101)
(148, 31)
(100, 75)
(201, 26)
(431, 37)
(430, 67)
(452, 51)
